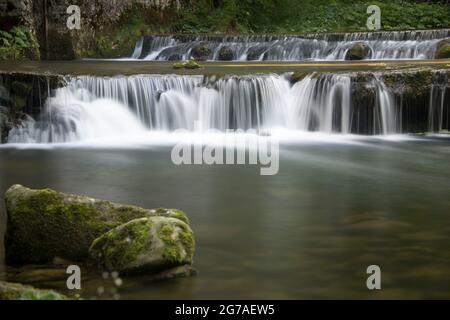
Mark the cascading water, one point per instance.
(91, 107)
(74, 114)
(384, 45)
(438, 112)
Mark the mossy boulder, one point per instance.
(255, 53)
(147, 245)
(17, 291)
(44, 224)
(358, 51)
(443, 49)
(225, 54)
(191, 64)
(201, 51)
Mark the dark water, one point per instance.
(308, 232)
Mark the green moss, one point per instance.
(443, 50)
(16, 291)
(144, 245)
(172, 213)
(172, 250)
(178, 241)
(189, 64)
(120, 247)
(43, 224)
(178, 65)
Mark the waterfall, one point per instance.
(75, 114)
(438, 118)
(321, 103)
(90, 107)
(384, 45)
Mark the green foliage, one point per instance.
(33, 294)
(289, 16)
(18, 44)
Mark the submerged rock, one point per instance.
(443, 49)
(201, 51)
(225, 54)
(44, 224)
(359, 51)
(144, 245)
(17, 291)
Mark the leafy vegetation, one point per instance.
(285, 16)
(18, 44)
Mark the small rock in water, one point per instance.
(359, 51)
(157, 243)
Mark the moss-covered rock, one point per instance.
(147, 245)
(44, 224)
(255, 53)
(17, 291)
(225, 54)
(189, 64)
(359, 51)
(178, 65)
(201, 51)
(443, 49)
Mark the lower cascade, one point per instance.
(90, 107)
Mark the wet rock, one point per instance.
(175, 57)
(44, 224)
(190, 64)
(201, 52)
(5, 124)
(225, 54)
(298, 76)
(443, 49)
(146, 245)
(16, 291)
(176, 272)
(254, 53)
(364, 98)
(359, 51)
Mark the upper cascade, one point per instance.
(315, 46)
